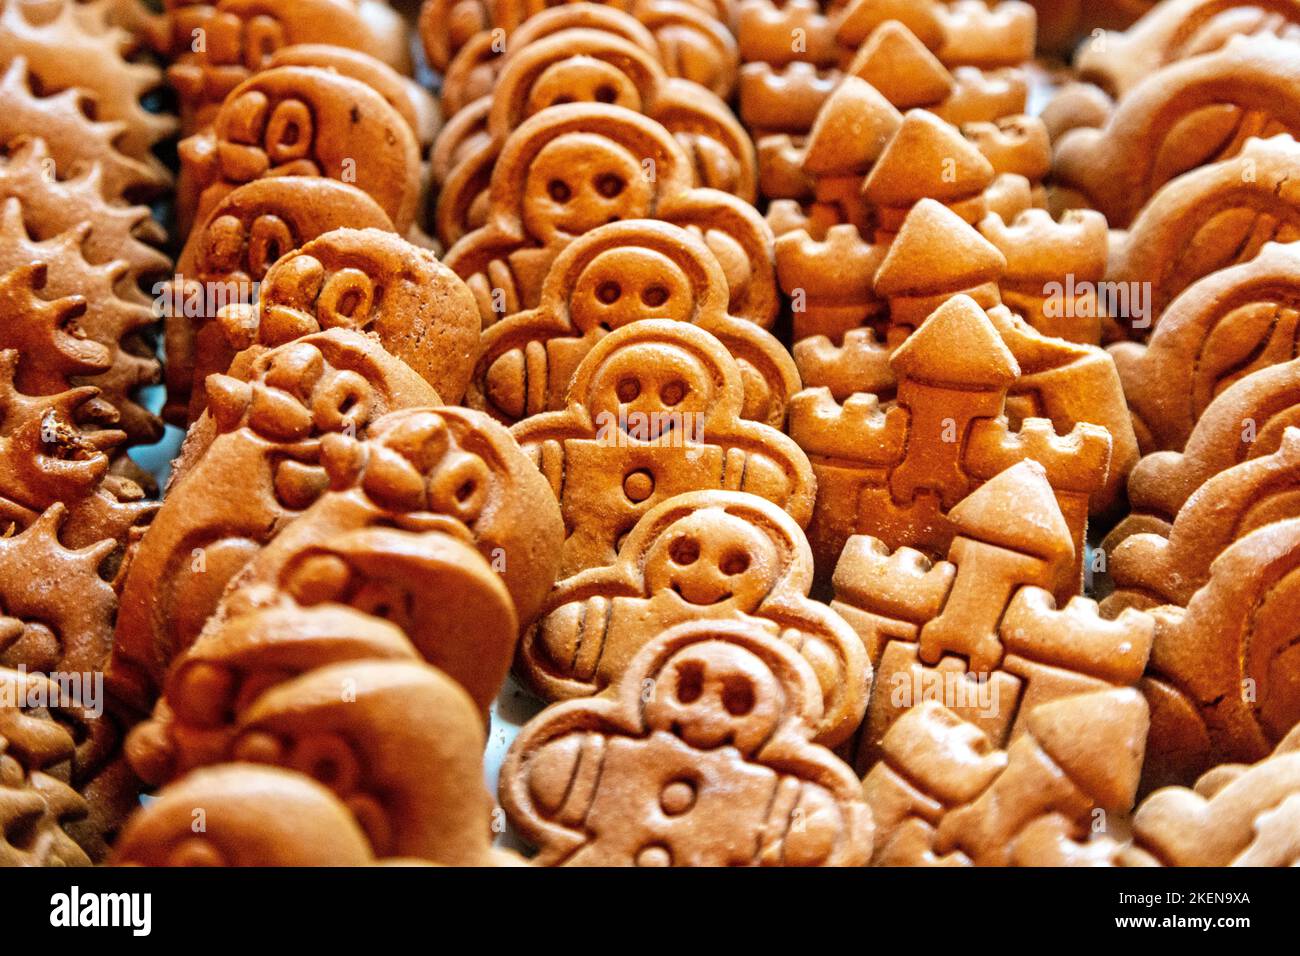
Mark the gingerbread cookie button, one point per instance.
(700, 755)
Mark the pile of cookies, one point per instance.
(664, 371)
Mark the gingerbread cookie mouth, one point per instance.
(697, 599)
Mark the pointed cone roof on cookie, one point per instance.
(957, 345)
(862, 17)
(1105, 762)
(935, 251)
(927, 157)
(1016, 509)
(896, 63)
(852, 129)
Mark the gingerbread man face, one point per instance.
(709, 561)
(624, 285)
(654, 410)
(580, 181)
(370, 281)
(674, 765)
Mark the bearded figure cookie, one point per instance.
(588, 66)
(981, 631)
(302, 121)
(252, 816)
(700, 755)
(371, 281)
(607, 279)
(704, 555)
(242, 36)
(448, 470)
(395, 740)
(238, 243)
(267, 420)
(654, 411)
(572, 168)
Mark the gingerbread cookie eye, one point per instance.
(583, 79)
(580, 181)
(289, 132)
(269, 238)
(627, 284)
(346, 300)
(263, 35)
(716, 695)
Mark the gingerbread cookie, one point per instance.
(654, 411)
(93, 312)
(1176, 30)
(1235, 815)
(895, 471)
(243, 237)
(55, 206)
(704, 555)
(1246, 421)
(1156, 133)
(252, 816)
(1218, 330)
(75, 141)
(700, 755)
(49, 460)
(78, 49)
(944, 794)
(1223, 672)
(267, 419)
(572, 168)
(981, 631)
(301, 121)
(243, 36)
(437, 500)
(32, 793)
(584, 65)
(610, 277)
(1150, 568)
(396, 741)
(473, 73)
(369, 280)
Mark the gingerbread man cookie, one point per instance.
(654, 410)
(704, 555)
(571, 168)
(610, 277)
(700, 755)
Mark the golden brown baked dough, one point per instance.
(700, 755)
